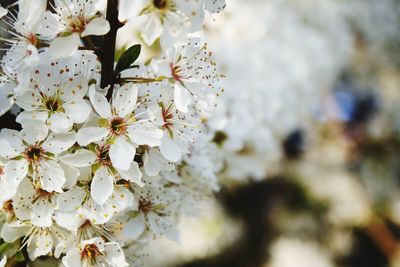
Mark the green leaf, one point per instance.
(120, 51)
(128, 58)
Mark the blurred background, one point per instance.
(307, 139)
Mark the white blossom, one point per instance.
(94, 169)
(58, 103)
(27, 153)
(95, 252)
(190, 70)
(157, 214)
(80, 206)
(71, 21)
(178, 127)
(120, 125)
(34, 204)
(171, 19)
(24, 42)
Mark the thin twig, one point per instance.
(90, 43)
(140, 80)
(95, 49)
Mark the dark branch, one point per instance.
(108, 53)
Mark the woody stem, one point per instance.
(108, 52)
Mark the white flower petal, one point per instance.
(33, 58)
(59, 122)
(85, 174)
(44, 77)
(122, 199)
(99, 214)
(133, 174)
(154, 221)
(6, 98)
(89, 135)
(115, 254)
(10, 143)
(182, 97)
(75, 88)
(214, 6)
(78, 110)
(73, 258)
(40, 245)
(57, 143)
(51, 175)
(194, 11)
(100, 103)
(42, 213)
(145, 133)
(124, 99)
(122, 154)
(3, 261)
(97, 26)
(12, 231)
(81, 158)
(151, 165)
(62, 246)
(26, 116)
(154, 162)
(102, 186)
(30, 13)
(8, 191)
(99, 242)
(69, 220)
(3, 12)
(15, 171)
(63, 47)
(21, 203)
(71, 200)
(163, 226)
(34, 130)
(71, 175)
(29, 100)
(135, 227)
(162, 68)
(156, 115)
(172, 177)
(151, 29)
(170, 149)
(50, 24)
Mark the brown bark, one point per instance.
(108, 49)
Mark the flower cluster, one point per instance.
(95, 171)
(171, 19)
